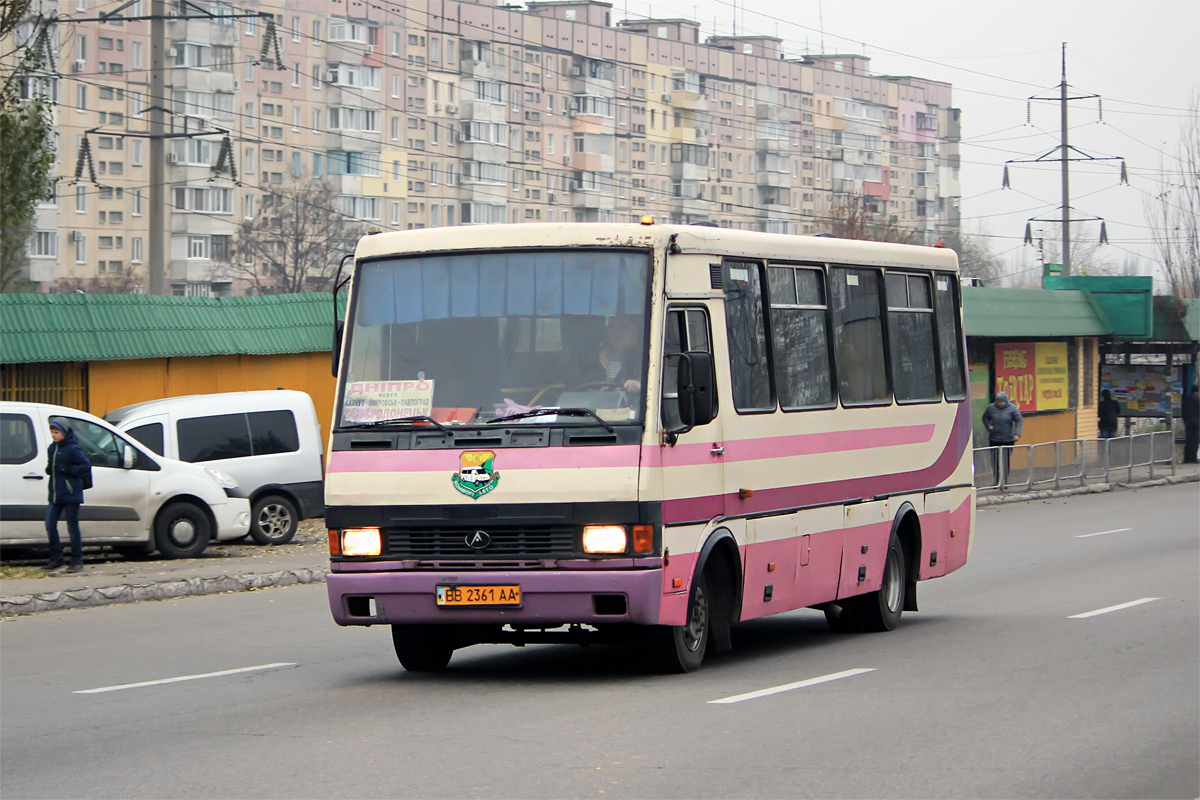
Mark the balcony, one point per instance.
(690, 207)
(597, 199)
(781, 180)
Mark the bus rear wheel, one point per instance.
(681, 648)
(874, 611)
(422, 648)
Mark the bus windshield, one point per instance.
(477, 338)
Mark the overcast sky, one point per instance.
(1142, 57)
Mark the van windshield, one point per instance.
(473, 338)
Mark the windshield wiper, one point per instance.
(567, 412)
(418, 418)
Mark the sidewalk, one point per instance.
(109, 579)
(1184, 473)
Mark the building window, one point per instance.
(44, 245)
(135, 250)
(80, 248)
(198, 247)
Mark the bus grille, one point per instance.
(541, 541)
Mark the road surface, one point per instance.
(1062, 661)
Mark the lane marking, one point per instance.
(787, 687)
(1100, 611)
(184, 678)
(1103, 533)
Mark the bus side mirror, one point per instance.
(338, 327)
(697, 400)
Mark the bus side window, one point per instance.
(687, 331)
(854, 297)
(745, 322)
(910, 338)
(801, 330)
(946, 305)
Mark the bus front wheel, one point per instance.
(681, 648)
(422, 648)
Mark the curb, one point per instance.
(1095, 488)
(159, 590)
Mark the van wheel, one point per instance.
(181, 531)
(681, 649)
(274, 520)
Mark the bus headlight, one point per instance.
(604, 539)
(361, 542)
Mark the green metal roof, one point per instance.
(1125, 301)
(106, 327)
(1031, 313)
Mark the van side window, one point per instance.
(224, 436)
(687, 332)
(17, 443)
(213, 438)
(854, 298)
(150, 434)
(910, 337)
(103, 449)
(800, 328)
(273, 432)
(746, 331)
(946, 305)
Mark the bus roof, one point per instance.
(689, 238)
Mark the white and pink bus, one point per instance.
(590, 431)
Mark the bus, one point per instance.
(642, 432)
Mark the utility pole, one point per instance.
(1064, 150)
(158, 151)
(1066, 173)
(158, 110)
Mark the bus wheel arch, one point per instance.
(720, 559)
(906, 526)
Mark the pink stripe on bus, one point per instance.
(693, 509)
(803, 444)
(628, 455)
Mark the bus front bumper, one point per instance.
(548, 597)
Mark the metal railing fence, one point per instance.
(1074, 462)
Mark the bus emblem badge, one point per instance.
(477, 475)
(479, 540)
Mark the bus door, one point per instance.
(693, 468)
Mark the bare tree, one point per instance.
(853, 219)
(975, 257)
(1087, 257)
(295, 240)
(128, 281)
(1174, 211)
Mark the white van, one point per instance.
(269, 441)
(138, 502)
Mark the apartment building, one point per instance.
(424, 113)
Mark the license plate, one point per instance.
(479, 595)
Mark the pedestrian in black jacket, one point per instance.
(1191, 425)
(68, 466)
(1109, 412)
